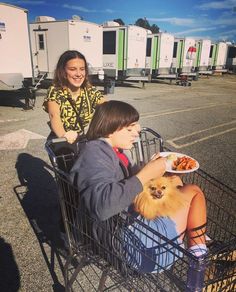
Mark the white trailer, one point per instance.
(50, 38)
(184, 54)
(189, 55)
(15, 51)
(220, 56)
(160, 59)
(203, 55)
(124, 51)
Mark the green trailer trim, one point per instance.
(215, 54)
(154, 52)
(180, 53)
(121, 51)
(198, 56)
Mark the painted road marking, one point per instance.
(179, 146)
(12, 120)
(18, 139)
(152, 115)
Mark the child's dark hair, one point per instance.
(60, 79)
(111, 116)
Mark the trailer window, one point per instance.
(211, 51)
(41, 41)
(109, 42)
(232, 52)
(149, 47)
(175, 49)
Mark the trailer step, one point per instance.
(41, 76)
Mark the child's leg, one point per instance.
(196, 222)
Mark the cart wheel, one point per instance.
(189, 84)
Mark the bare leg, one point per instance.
(196, 222)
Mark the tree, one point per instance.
(155, 28)
(145, 24)
(119, 20)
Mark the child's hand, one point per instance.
(153, 169)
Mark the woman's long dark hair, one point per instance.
(109, 117)
(60, 79)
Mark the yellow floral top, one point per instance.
(90, 97)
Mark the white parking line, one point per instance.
(152, 115)
(12, 120)
(178, 146)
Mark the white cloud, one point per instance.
(223, 21)
(226, 4)
(79, 8)
(109, 11)
(199, 29)
(229, 32)
(83, 9)
(174, 21)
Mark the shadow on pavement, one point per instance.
(12, 99)
(38, 198)
(9, 272)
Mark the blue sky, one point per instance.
(215, 20)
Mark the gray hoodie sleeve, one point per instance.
(101, 182)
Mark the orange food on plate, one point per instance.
(184, 163)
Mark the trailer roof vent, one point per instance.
(110, 23)
(44, 18)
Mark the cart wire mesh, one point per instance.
(114, 263)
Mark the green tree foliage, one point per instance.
(119, 20)
(154, 28)
(145, 24)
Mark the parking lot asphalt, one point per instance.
(198, 121)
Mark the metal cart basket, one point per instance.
(111, 266)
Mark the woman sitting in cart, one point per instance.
(107, 185)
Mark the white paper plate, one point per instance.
(169, 163)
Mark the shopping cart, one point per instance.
(110, 265)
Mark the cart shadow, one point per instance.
(38, 198)
(9, 272)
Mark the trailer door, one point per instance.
(41, 50)
(148, 64)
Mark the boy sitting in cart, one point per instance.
(108, 186)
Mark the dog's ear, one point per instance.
(174, 180)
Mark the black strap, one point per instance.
(78, 118)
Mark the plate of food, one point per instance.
(179, 163)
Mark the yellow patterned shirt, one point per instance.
(89, 97)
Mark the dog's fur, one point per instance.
(160, 197)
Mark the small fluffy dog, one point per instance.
(160, 197)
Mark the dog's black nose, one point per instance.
(157, 194)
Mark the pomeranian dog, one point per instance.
(160, 197)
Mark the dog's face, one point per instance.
(160, 197)
(157, 188)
